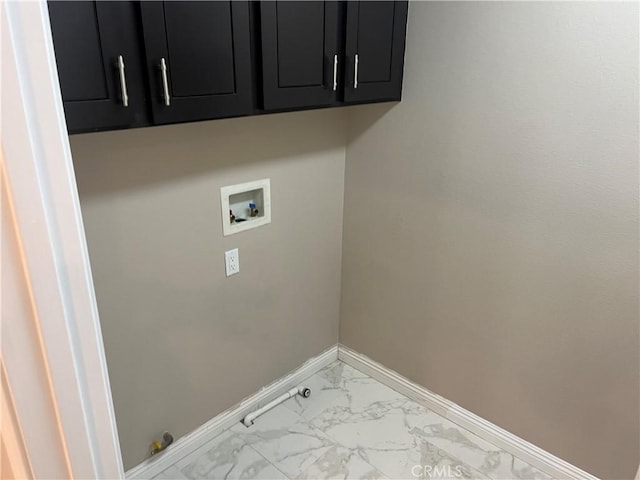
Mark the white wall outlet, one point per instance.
(232, 262)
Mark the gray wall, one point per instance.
(183, 342)
(491, 222)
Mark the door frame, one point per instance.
(62, 329)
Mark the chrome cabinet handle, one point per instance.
(335, 72)
(165, 83)
(355, 74)
(123, 82)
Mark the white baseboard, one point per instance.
(535, 456)
(190, 442)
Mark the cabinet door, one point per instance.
(375, 39)
(198, 59)
(299, 46)
(89, 39)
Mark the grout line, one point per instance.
(268, 461)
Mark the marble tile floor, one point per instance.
(352, 427)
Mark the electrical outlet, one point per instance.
(232, 262)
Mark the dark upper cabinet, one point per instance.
(198, 59)
(374, 49)
(300, 53)
(313, 56)
(98, 58)
(135, 63)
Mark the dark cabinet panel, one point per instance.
(196, 67)
(79, 51)
(90, 38)
(198, 59)
(375, 38)
(299, 49)
(300, 28)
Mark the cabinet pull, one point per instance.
(123, 82)
(165, 83)
(355, 74)
(335, 72)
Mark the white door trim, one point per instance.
(15, 459)
(47, 219)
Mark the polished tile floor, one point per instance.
(352, 427)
